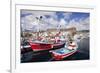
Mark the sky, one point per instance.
(42, 20)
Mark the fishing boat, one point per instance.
(62, 53)
(25, 46)
(41, 46)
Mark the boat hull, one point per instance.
(60, 56)
(40, 47)
(58, 45)
(45, 46)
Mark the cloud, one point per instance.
(30, 22)
(82, 24)
(38, 13)
(63, 23)
(67, 15)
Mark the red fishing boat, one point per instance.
(41, 46)
(62, 53)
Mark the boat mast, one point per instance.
(58, 29)
(38, 20)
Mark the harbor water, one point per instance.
(81, 54)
